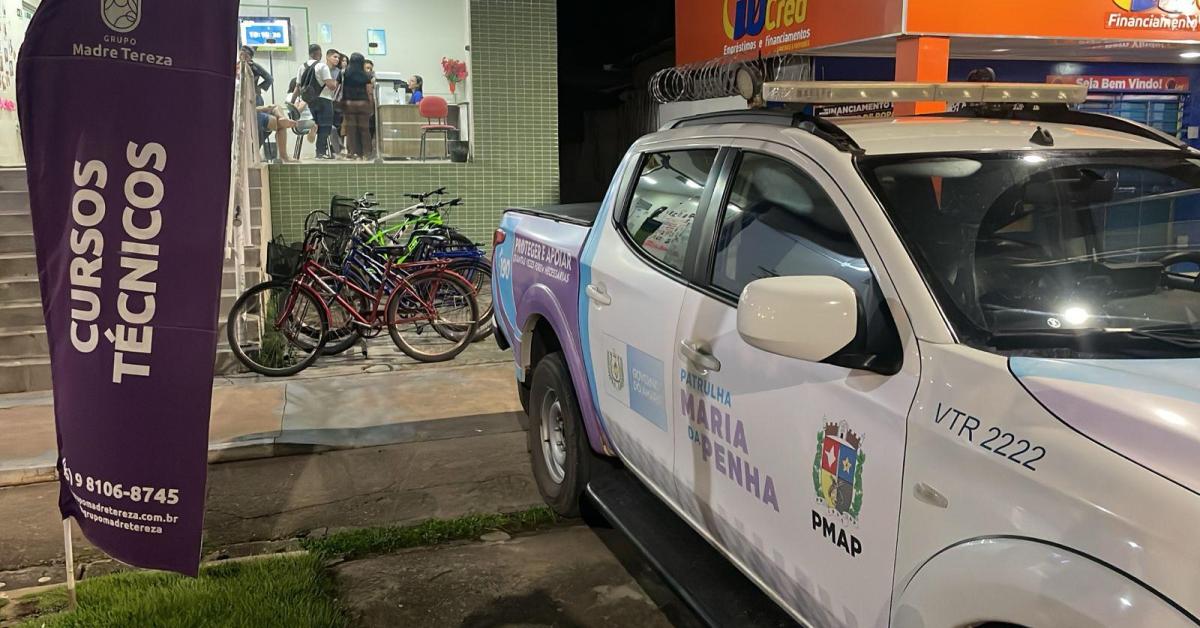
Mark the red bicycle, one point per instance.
(281, 327)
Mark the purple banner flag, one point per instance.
(126, 115)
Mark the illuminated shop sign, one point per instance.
(1175, 15)
(1165, 84)
(709, 29)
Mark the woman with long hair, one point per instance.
(416, 85)
(357, 106)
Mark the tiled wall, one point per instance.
(515, 133)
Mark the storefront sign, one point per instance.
(126, 117)
(737, 29)
(1087, 19)
(855, 110)
(1144, 84)
(740, 29)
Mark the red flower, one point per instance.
(454, 70)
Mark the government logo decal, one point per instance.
(838, 482)
(121, 16)
(837, 470)
(616, 370)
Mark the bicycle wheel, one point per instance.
(425, 302)
(277, 328)
(478, 272)
(344, 330)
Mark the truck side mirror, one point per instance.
(807, 318)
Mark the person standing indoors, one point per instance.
(370, 67)
(357, 106)
(337, 145)
(308, 86)
(324, 114)
(262, 78)
(315, 87)
(416, 85)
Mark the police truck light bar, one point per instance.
(836, 92)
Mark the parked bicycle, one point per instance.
(424, 233)
(281, 327)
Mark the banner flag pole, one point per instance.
(70, 551)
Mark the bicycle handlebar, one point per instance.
(423, 197)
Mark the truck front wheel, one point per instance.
(558, 444)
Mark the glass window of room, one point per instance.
(358, 80)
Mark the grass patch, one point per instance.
(292, 591)
(48, 601)
(371, 541)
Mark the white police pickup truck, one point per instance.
(931, 371)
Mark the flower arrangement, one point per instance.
(455, 71)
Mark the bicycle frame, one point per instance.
(383, 235)
(397, 282)
(317, 274)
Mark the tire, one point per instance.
(344, 332)
(558, 444)
(523, 393)
(478, 272)
(414, 328)
(277, 350)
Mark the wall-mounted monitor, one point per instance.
(272, 34)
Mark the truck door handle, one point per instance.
(699, 357)
(930, 495)
(598, 294)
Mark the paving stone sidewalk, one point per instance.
(344, 401)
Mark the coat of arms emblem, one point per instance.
(616, 370)
(838, 469)
(121, 15)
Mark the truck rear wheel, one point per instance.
(558, 444)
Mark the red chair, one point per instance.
(435, 110)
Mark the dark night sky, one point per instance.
(592, 35)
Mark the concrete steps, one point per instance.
(24, 350)
(16, 242)
(18, 289)
(24, 373)
(13, 179)
(23, 341)
(15, 220)
(18, 265)
(21, 313)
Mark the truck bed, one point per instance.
(583, 214)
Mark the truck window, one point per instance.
(1058, 253)
(665, 200)
(777, 222)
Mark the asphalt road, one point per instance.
(585, 574)
(565, 577)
